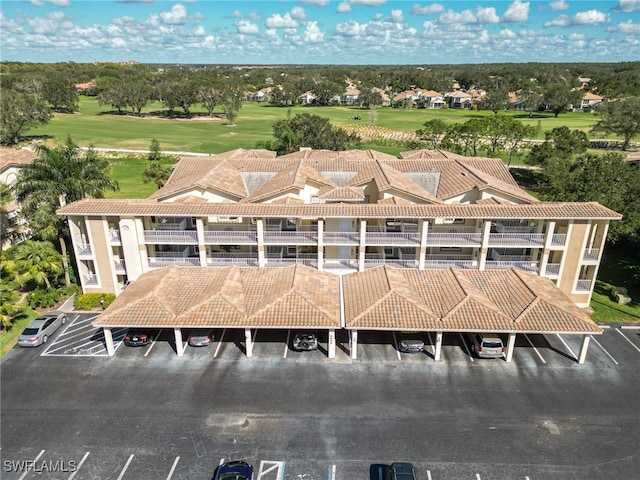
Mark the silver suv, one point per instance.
(410, 342)
(487, 345)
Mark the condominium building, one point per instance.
(341, 212)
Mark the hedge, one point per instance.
(90, 301)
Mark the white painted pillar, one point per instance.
(248, 342)
(108, 339)
(179, 346)
(260, 239)
(511, 343)
(354, 344)
(331, 347)
(436, 355)
(363, 245)
(422, 250)
(548, 239)
(484, 247)
(584, 348)
(320, 244)
(202, 249)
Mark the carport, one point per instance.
(177, 298)
(458, 300)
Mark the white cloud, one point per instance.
(589, 17)
(317, 3)
(368, 3)
(559, 5)
(36, 3)
(396, 16)
(487, 15)
(61, 3)
(627, 6)
(247, 28)
(177, 15)
(627, 27)
(351, 28)
(517, 12)
(466, 16)
(344, 7)
(561, 21)
(313, 34)
(298, 13)
(281, 21)
(427, 9)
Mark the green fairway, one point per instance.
(97, 125)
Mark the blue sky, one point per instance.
(320, 31)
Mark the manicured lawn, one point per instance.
(608, 311)
(95, 124)
(10, 338)
(127, 171)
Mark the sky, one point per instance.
(345, 32)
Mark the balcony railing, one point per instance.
(297, 237)
(227, 259)
(159, 262)
(171, 236)
(454, 239)
(230, 237)
(584, 285)
(396, 262)
(84, 249)
(388, 238)
(591, 254)
(559, 239)
(90, 279)
(552, 269)
(119, 266)
(516, 239)
(341, 238)
(114, 235)
(285, 262)
(526, 266)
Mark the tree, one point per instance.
(369, 98)
(622, 118)
(209, 96)
(19, 112)
(312, 131)
(157, 173)
(154, 150)
(558, 96)
(60, 92)
(38, 261)
(56, 176)
(433, 132)
(561, 143)
(232, 104)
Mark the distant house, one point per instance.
(261, 95)
(386, 101)
(633, 158)
(459, 99)
(307, 98)
(84, 88)
(403, 98)
(350, 96)
(431, 99)
(11, 219)
(589, 102)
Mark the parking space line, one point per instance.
(428, 474)
(332, 472)
(28, 469)
(567, 347)
(173, 468)
(630, 327)
(215, 354)
(125, 467)
(604, 350)
(221, 461)
(279, 465)
(465, 346)
(75, 472)
(478, 476)
(395, 343)
(153, 343)
(625, 337)
(286, 345)
(534, 348)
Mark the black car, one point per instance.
(305, 341)
(138, 338)
(401, 471)
(237, 470)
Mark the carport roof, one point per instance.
(388, 298)
(228, 297)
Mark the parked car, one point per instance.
(40, 329)
(487, 345)
(237, 470)
(305, 341)
(401, 471)
(410, 342)
(200, 337)
(138, 338)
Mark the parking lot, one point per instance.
(618, 344)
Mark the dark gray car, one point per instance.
(40, 329)
(410, 342)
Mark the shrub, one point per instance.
(43, 298)
(90, 301)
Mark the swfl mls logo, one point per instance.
(50, 466)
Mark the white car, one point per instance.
(40, 329)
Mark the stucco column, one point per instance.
(131, 249)
(320, 244)
(179, 346)
(511, 343)
(248, 342)
(363, 245)
(484, 246)
(583, 350)
(422, 250)
(438, 352)
(331, 346)
(354, 344)
(548, 239)
(202, 249)
(108, 340)
(260, 238)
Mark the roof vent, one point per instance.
(463, 173)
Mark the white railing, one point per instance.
(552, 269)
(584, 285)
(91, 279)
(159, 262)
(454, 239)
(119, 266)
(452, 229)
(374, 262)
(502, 228)
(230, 237)
(447, 263)
(171, 236)
(517, 239)
(388, 238)
(341, 238)
(509, 258)
(114, 235)
(293, 237)
(526, 266)
(285, 262)
(559, 239)
(84, 249)
(591, 254)
(223, 260)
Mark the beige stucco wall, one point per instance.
(575, 246)
(103, 259)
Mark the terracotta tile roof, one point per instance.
(228, 297)
(349, 194)
(545, 210)
(15, 157)
(387, 298)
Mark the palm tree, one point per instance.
(38, 261)
(56, 176)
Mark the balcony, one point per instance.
(374, 260)
(114, 236)
(341, 238)
(527, 266)
(552, 270)
(84, 250)
(447, 261)
(516, 239)
(90, 279)
(230, 237)
(228, 259)
(291, 237)
(451, 239)
(159, 262)
(119, 267)
(591, 254)
(171, 236)
(392, 238)
(559, 239)
(584, 285)
(309, 260)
